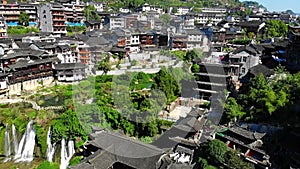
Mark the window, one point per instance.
(244, 59)
(243, 70)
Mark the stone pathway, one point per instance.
(33, 103)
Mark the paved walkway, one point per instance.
(33, 103)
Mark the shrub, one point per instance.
(20, 30)
(75, 160)
(76, 28)
(48, 165)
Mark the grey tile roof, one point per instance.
(26, 63)
(95, 41)
(251, 49)
(24, 53)
(117, 148)
(194, 32)
(260, 69)
(67, 66)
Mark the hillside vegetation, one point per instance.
(133, 4)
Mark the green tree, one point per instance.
(277, 28)
(233, 110)
(105, 64)
(203, 162)
(90, 13)
(197, 10)
(194, 54)
(174, 10)
(165, 18)
(166, 83)
(134, 62)
(259, 98)
(195, 68)
(234, 161)
(67, 126)
(179, 54)
(251, 35)
(24, 19)
(215, 150)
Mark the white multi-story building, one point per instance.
(214, 10)
(116, 22)
(100, 6)
(147, 8)
(212, 15)
(183, 10)
(3, 26)
(204, 18)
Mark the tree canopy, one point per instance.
(216, 153)
(90, 13)
(24, 19)
(261, 99)
(166, 83)
(277, 28)
(105, 64)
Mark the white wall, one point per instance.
(29, 85)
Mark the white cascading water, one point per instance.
(64, 156)
(27, 149)
(15, 137)
(50, 147)
(7, 145)
(20, 147)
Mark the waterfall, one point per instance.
(50, 147)
(15, 142)
(7, 145)
(64, 156)
(20, 147)
(26, 146)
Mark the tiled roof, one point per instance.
(66, 66)
(24, 53)
(26, 63)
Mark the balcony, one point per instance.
(178, 45)
(12, 18)
(9, 12)
(29, 11)
(59, 25)
(180, 39)
(58, 13)
(58, 19)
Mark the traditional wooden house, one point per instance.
(70, 72)
(249, 144)
(111, 150)
(24, 70)
(179, 42)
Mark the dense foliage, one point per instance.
(20, 30)
(24, 19)
(76, 29)
(264, 99)
(48, 165)
(277, 28)
(90, 13)
(216, 153)
(133, 4)
(93, 104)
